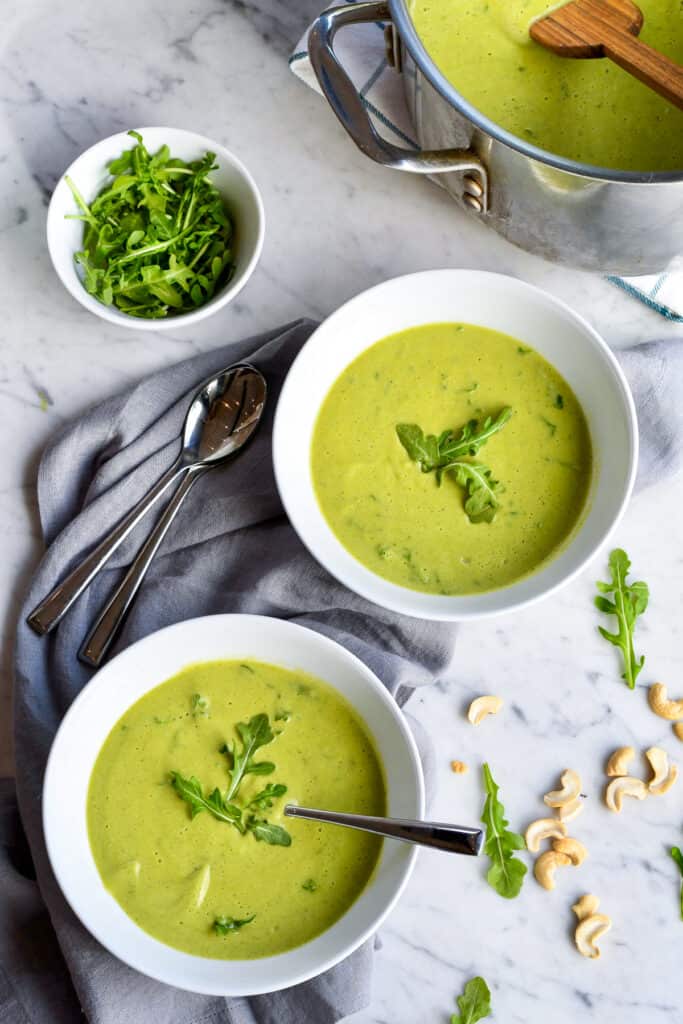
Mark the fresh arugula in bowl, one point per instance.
(158, 239)
(451, 452)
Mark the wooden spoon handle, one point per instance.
(648, 65)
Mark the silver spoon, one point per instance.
(222, 417)
(438, 835)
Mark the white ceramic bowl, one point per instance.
(122, 682)
(89, 173)
(490, 300)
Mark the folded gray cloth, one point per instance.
(231, 550)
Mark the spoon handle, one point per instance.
(648, 65)
(438, 835)
(51, 609)
(112, 615)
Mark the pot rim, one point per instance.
(409, 36)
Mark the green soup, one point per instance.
(175, 875)
(396, 519)
(586, 110)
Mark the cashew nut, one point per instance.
(589, 931)
(543, 828)
(546, 865)
(570, 810)
(571, 787)
(458, 767)
(620, 760)
(661, 705)
(586, 906)
(666, 784)
(483, 706)
(573, 849)
(659, 763)
(678, 730)
(625, 785)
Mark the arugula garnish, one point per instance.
(474, 1003)
(627, 602)
(157, 239)
(264, 832)
(506, 873)
(228, 925)
(200, 706)
(254, 734)
(447, 454)
(678, 857)
(216, 804)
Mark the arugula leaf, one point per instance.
(157, 238)
(263, 801)
(200, 706)
(506, 873)
(482, 490)
(474, 1003)
(216, 804)
(310, 885)
(264, 832)
(254, 734)
(627, 602)
(228, 925)
(678, 857)
(445, 454)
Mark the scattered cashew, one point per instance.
(572, 848)
(589, 931)
(543, 828)
(483, 706)
(666, 784)
(570, 810)
(586, 906)
(620, 760)
(661, 705)
(458, 767)
(623, 786)
(571, 787)
(546, 865)
(678, 730)
(659, 763)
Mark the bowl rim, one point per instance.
(401, 599)
(230, 290)
(50, 813)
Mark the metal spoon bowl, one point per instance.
(437, 835)
(222, 417)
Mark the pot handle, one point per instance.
(343, 97)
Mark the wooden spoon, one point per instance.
(609, 28)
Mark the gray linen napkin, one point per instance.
(231, 549)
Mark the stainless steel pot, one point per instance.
(591, 217)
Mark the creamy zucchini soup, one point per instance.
(586, 110)
(185, 809)
(451, 459)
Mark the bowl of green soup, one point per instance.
(454, 444)
(179, 757)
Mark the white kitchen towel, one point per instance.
(361, 50)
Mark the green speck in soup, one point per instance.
(175, 876)
(397, 520)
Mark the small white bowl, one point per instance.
(89, 173)
(120, 684)
(490, 300)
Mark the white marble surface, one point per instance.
(72, 72)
